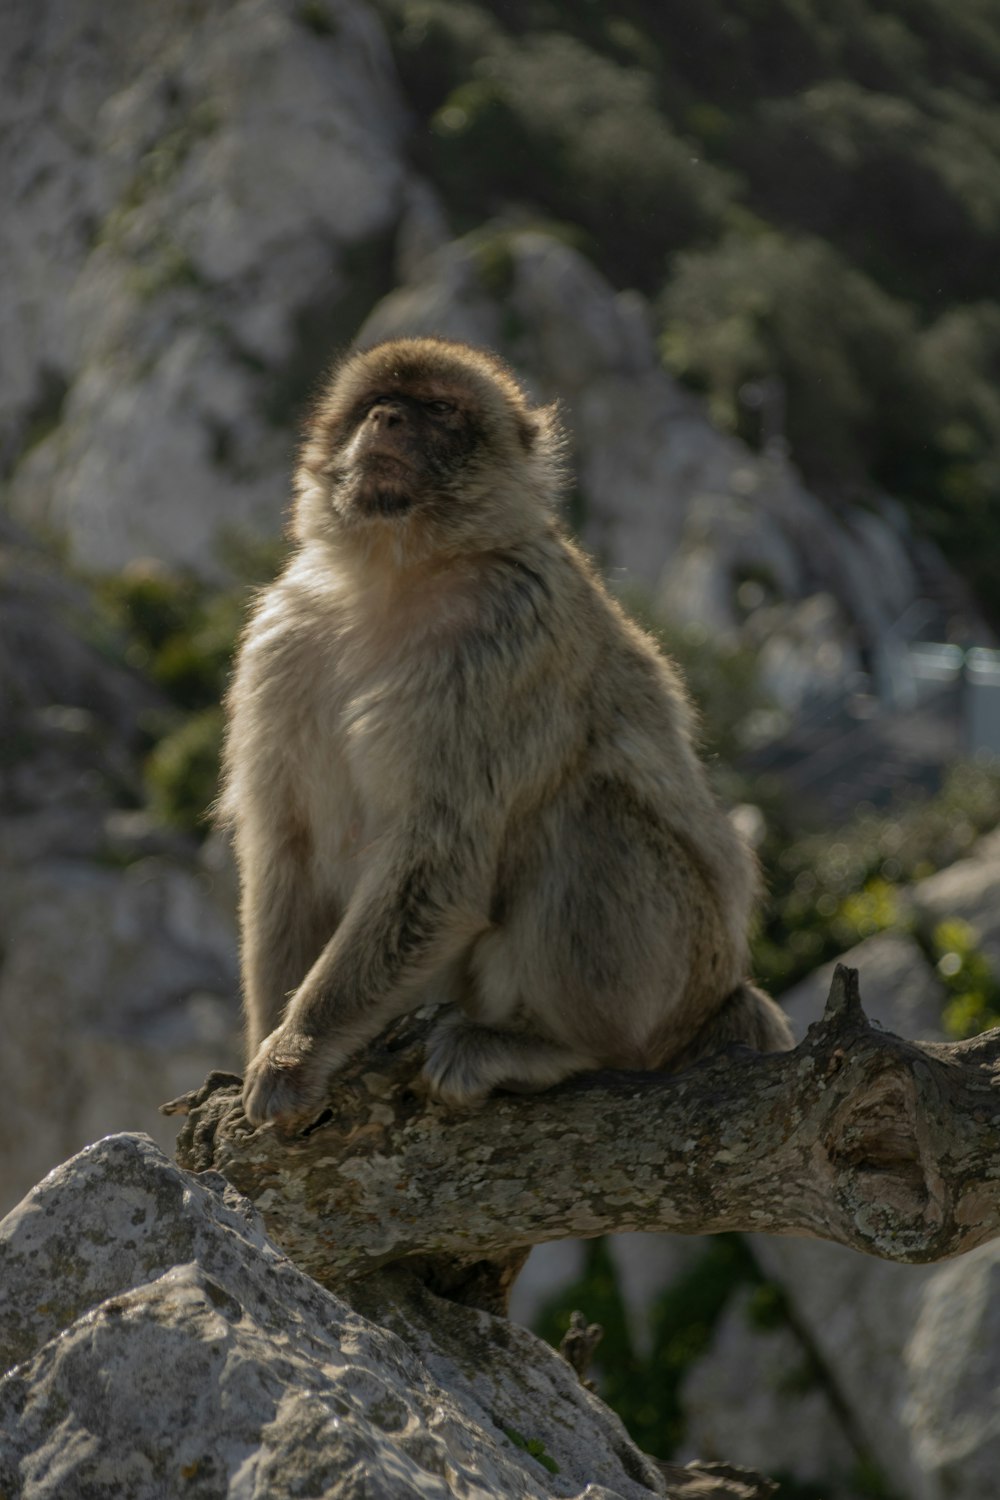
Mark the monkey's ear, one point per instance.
(527, 430)
(538, 427)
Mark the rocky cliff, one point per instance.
(202, 211)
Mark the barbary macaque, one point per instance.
(456, 772)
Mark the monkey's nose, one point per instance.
(385, 416)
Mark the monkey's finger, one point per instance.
(279, 1090)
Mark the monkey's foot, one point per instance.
(286, 1080)
(465, 1062)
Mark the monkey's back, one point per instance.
(622, 891)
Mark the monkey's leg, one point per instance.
(465, 1061)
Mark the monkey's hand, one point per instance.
(286, 1080)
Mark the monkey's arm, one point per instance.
(282, 935)
(420, 904)
(283, 923)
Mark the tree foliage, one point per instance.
(807, 193)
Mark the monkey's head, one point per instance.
(429, 445)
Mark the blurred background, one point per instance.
(753, 248)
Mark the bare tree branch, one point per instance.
(890, 1146)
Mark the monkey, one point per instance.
(456, 771)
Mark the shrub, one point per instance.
(974, 989)
(181, 631)
(828, 891)
(182, 771)
(546, 120)
(910, 193)
(644, 1389)
(844, 352)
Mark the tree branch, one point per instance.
(889, 1146)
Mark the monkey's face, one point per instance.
(430, 444)
(406, 444)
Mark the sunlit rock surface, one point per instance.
(156, 1343)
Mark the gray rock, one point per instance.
(756, 1398)
(157, 1344)
(118, 972)
(952, 1405)
(970, 891)
(174, 275)
(802, 650)
(117, 992)
(914, 1354)
(71, 711)
(449, 300)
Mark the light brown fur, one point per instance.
(456, 770)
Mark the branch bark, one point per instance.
(858, 1136)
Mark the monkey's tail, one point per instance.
(748, 1016)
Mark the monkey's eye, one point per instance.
(440, 407)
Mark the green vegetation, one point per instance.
(181, 632)
(869, 1481)
(809, 196)
(644, 1389)
(315, 16)
(973, 985)
(182, 770)
(535, 1447)
(827, 892)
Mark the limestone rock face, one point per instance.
(913, 1354)
(156, 1343)
(201, 215)
(178, 233)
(118, 974)
(117, 991)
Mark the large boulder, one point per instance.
(156, 1343)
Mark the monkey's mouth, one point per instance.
(386, 461)
(386, 489)
(381, 501)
